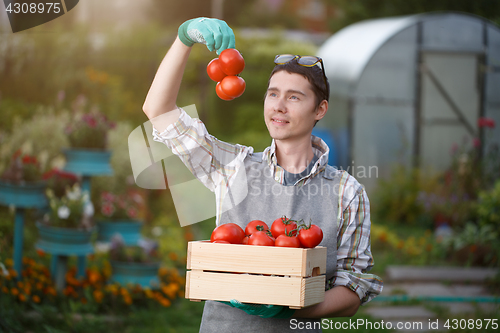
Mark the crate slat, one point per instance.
(207, 256)
(248, 288)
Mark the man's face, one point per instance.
(290, 107)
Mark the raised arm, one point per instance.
(160, 104)
(162, 95)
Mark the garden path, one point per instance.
(421, 299)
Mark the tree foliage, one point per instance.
(358, 10)
(172, 13)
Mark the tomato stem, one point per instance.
(260, 227)
(302, 225)
(290, 233)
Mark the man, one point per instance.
(290, 177)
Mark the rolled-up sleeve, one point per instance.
(210, 160)
(354, 257)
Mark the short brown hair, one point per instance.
(313, 74)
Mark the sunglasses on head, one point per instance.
(306, 61)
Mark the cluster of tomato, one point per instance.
(224, 70)
(284, 232)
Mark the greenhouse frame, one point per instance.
(410, 91)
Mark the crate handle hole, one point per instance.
(316, 271)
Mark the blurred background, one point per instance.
(414, 116)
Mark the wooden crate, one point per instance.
(255, 274)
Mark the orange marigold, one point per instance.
(164, 302)
(94, 276)
(45, 271)
(50, 291)
(112, 288)
(127, 299)
(124, 292)
(36, 299)
(40, 252)
(98, 296)
(68, 290)
(170, 290)
(173, 256)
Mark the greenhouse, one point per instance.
(410, 90)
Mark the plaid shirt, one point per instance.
(214, 162)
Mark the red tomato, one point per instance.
(253, 226)
(221, 94)
(233, 86)
(282, 225)
(229, 232)
(214, 71)
(287, 241)
(310, 236)
(260, 238)
(221, 241)
(245, 240)
(231, 62)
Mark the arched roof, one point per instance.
(347, 52)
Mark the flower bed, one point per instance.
(93, 294)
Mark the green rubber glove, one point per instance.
(262, 310)
(214, 33)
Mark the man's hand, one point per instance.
(261, 310)
(214, 33)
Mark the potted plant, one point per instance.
(59, 181)
(119, 214)
(21, 183)
(67, 227)
(87, 134)
(66, 230)
(134, 264)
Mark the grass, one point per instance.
(183, 317)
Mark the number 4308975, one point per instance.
(33, 8)
(471, 324)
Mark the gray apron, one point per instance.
(265, 199)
